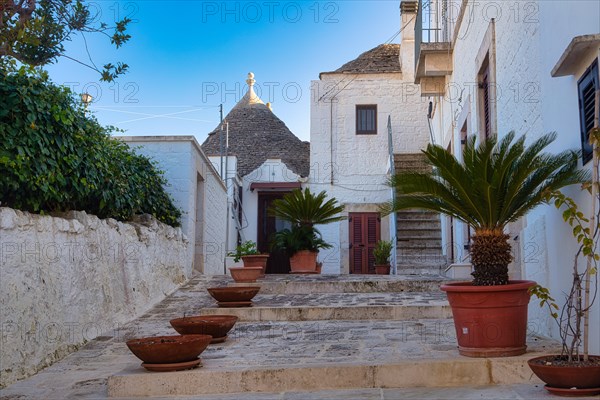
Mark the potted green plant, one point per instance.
(382, 253)
(575, 372)
(250, 256)
(496, 183)
(302, 242)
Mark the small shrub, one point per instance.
(55, 157)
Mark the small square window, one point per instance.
(586, 90)
(366, 119)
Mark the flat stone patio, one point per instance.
(288, 350)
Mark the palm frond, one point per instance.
(496, 183)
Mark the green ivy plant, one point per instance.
(56, 157)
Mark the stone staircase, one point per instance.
(313, 333)
(419, 237)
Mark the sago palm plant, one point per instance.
(306, 208)
(497, 182)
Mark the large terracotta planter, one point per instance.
(382, 269)
(490, 321)
(169, 349)
(216, 326)
(257, 260)
(304, 261)
(246, 274)
(567, 380)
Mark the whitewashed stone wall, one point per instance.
(355, 168)
(530, 38)
(65, 281)
(198, 191)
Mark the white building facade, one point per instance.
(494, 67)
(198, 191)
(361, 115)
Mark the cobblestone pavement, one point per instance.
(84, 373)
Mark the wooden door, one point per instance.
(365, 232)
(279, 261)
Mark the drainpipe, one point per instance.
(393, 220)
(331, 139)
(228, 206)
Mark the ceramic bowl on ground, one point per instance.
(169, 349)
(234, 293)
(216, 326)
(246, 274)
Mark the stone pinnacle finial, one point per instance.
(250, 81)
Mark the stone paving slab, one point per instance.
(272, 346)
(504, 392)
(341, 306)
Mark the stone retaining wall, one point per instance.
(66, 280)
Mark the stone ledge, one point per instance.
(133, 382)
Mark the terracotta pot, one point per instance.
(382, 269)
(490, 321)
(246, 274)
(216, 326)
(257, 260)
(169, 349)
(566, 376)
(304, 261)
(233, 293)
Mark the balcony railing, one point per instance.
(435, 23)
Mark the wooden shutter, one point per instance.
(486, 103)
(372, 236)
(364, 235)
(586, 88)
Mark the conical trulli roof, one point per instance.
(256, 134)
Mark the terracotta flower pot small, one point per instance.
(256, 260)
(168, 349)
(303, 261)
(567, 380)
(246, 274)
(382, 269)
(234, 293)
(216, 326)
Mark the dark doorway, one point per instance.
(365, 232)
(279, 262)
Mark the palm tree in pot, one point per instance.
(304, 209)
(496, 183)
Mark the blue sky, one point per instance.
(187, 57)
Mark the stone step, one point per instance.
(302, 356)
(421, 271)
(419, 237)
(354, 283)
(341, 306)
(420, 259)
(415, 249)
(417, 214)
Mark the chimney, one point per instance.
(408, 16)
